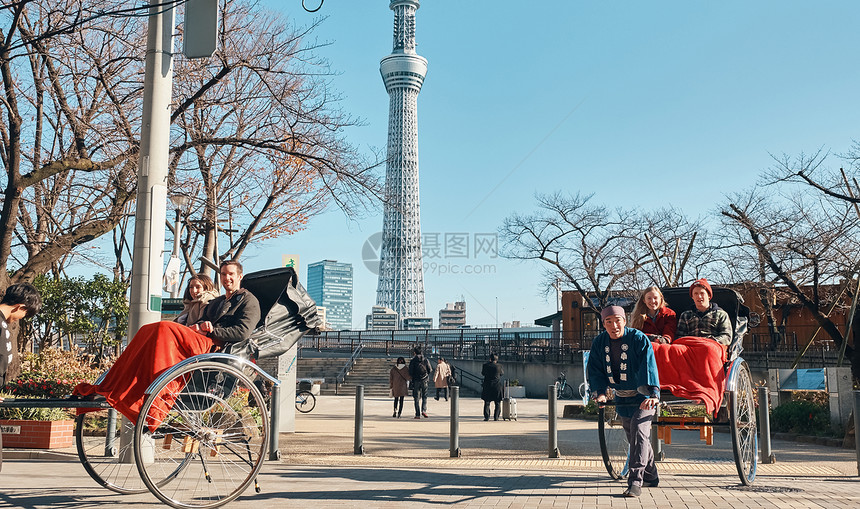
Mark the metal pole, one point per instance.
(110, 437)
(151, 211)
(857, 427)
(767, 456)
(274, 423)
(358, 445)
(553, 421)
(455, 421)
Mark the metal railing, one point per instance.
(467, 344)
(468, 379)
(344, 371)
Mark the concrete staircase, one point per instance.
(370, 372)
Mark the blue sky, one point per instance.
(641, 103)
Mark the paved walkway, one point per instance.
(503, 464)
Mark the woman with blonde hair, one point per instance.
(653, 317)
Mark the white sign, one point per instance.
(10, 430)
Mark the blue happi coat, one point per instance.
(638, 369)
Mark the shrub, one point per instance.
(801, 416)
(52, 373)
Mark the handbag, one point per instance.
(451, 380)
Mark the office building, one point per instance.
(381, 318)
(453, 316)
(330, 286)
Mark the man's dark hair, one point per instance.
(417, 350)
(493, 357)
(23, 294)
(233, 262)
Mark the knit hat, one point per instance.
(704, 284)
(613, 310)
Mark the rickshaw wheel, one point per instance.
(108, 456)
(202, 436)
(613, 442)
(743, 424)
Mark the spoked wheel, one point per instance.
(105, 442)
(202, 435)
(613, 442)
(744, 428)
(566, 392)
(305, 401)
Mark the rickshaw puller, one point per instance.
(622, 358)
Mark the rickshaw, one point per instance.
(736, 411)
(204, 428)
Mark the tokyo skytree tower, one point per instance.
(401, 274)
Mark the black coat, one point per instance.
(232, 320)
(492, 387)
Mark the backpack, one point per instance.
(419, 369)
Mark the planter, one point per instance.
(516, 391)
(38, 434)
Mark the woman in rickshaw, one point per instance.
(653, 317)
(159, 346)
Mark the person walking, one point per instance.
(398, 382)
(492, 387)
(419, 370)
(440, 378)
(622, 358)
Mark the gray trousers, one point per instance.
(641, 464)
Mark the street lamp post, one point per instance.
(171, 274)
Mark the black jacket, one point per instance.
(232, 320)
(492, 389)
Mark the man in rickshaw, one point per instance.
(159, 346)
(622, 358)
(706, 319)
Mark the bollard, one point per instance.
(857, 427)
(110, 437)
(455, 421)
(552, 414)
(767, 456)
(274, 422)
(358, 445)
(656, 443)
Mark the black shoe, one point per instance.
(486, 418)
(651, 484)
(394, 415)
(632, 491)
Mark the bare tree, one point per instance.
(807, 244)
(590, 246)
(70, 125)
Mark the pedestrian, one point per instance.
(622, 358)
(419, 370)
(492, 387)
(20, 301)
(398, 382)
(440, 378)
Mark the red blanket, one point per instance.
(692, 368)
(155, 348)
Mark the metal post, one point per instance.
(110, 437)
(151, 211)
(274, 423)
(857, 427)
(767, 456)
(553, 421)
(358, 445)
(656, 443)
(455, 421)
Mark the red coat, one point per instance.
(664, 324)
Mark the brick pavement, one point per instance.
(504, 465)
